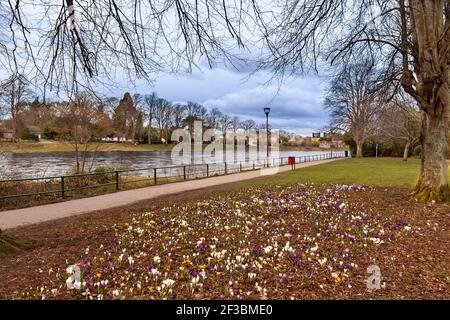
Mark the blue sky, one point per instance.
(296, 104)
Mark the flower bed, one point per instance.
(259, 243)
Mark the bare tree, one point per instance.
(178, 114)
(83, 122)
(235, 123)
(150, 109)
(224, 124)
(411, 38)
(163, 118)
(110, 104)
(213, 118)
(400, 123)
(248, 125)
(137, 116)
(70, 42)
(353, 102)
(14, 93)
(194, 112)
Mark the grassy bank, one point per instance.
(31, 147)
(368, 171)
(56, 146)
(371, 171)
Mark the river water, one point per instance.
(27, 165)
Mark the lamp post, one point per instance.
(267, 111)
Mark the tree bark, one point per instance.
(133, 131)
(359, 148)
(406, 151)
(149, 133)
(77, 158)
(428, 83)
(433, 181)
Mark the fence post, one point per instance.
(207, 170)
(117, 180)
(253, 164)
(184, 172)
(240, 166)
(225, 167)
(62, 188)
(154, 175)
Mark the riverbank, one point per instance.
(58, 146)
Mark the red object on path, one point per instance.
(291, 160)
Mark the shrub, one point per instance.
(47, 133)
(417, 151)
(370, 148)
(104, 175)
(6, 244)
(28, 135)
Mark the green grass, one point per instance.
(369, 171)
(7, 244)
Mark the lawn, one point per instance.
(305, 234)
(369, 171)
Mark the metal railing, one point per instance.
(65, 186)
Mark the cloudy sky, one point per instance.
(296, 105)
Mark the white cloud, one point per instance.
(295, 105)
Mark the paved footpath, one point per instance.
(21, 217)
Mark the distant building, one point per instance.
(115, 139)
(6, 134)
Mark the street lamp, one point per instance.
(267, 111)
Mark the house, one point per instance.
(6, 134)
(115, 139)
(329, 144)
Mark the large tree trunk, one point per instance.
(359, 148)
(428, 83)
(149, 132)
(149, 136)
(133, 132)
(77, 158)
(433, 181)
(406, 151)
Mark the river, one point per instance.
(27, 165)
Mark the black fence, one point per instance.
(31, 190)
